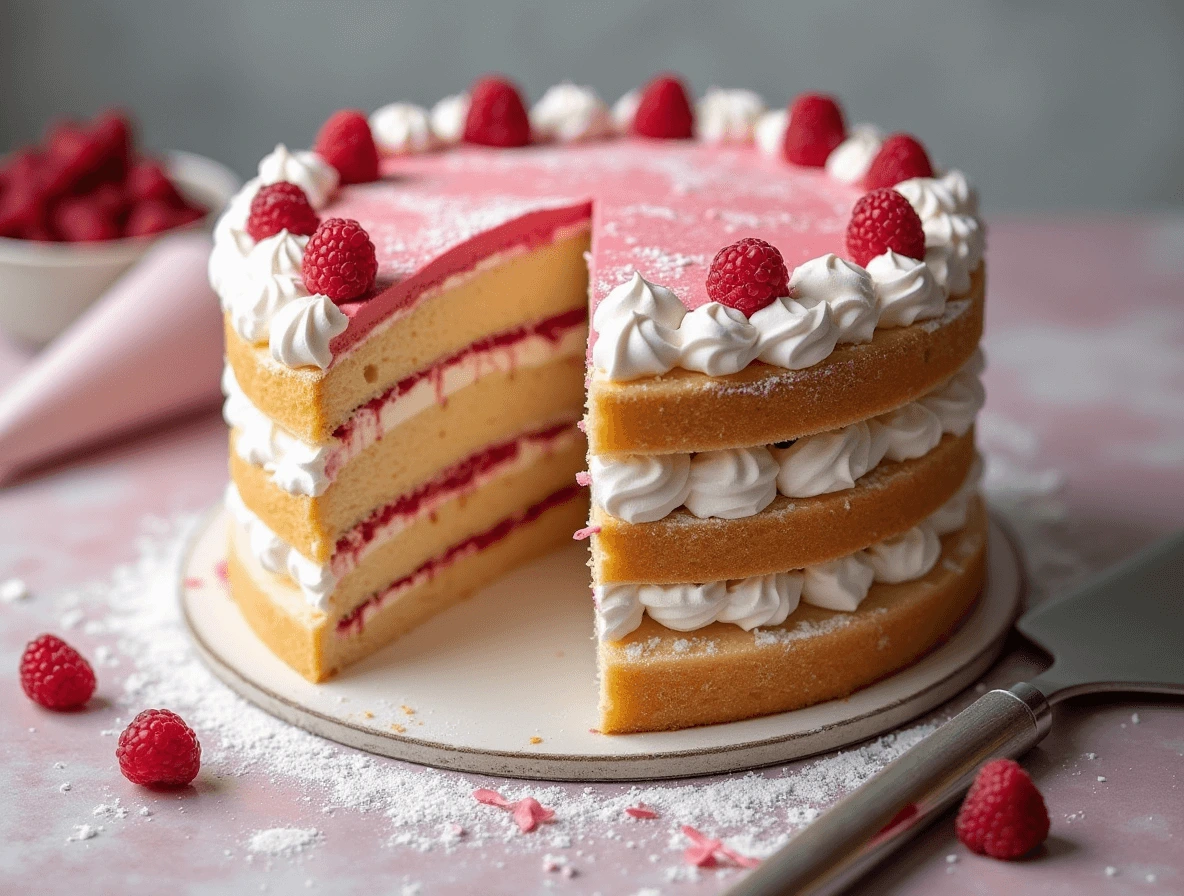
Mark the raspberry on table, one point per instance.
(901, 157)
(881, 220)
(158, 750)
(815, 128)
(497, 116)
(281, 206)
(747, 275)
(1003, 815)
(55, 675)
(340, 260)
(345, 142)
(664, 110)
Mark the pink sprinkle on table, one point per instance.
(528, 813)
(704, 851)
(641, 810)
(587, 532)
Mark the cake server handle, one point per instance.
(902, 798)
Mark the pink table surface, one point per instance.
(1084, 426)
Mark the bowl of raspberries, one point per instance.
(81, 207)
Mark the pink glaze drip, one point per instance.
(663, 208)
(352, 623)
(552, 329)
(452, 480)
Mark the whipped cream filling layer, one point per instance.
(643, 329)
(840, 585)
(318, 581)
(739, 482)
(306, 468)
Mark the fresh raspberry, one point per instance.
(147, 180)
(497, 115)
(113, 131)
(113, 200)
(188, 214)
(158, 750)
(345, 142)
(281, 206)
(23, 210)
(747, 275)
(55, 675)
(1003, 815)
(815, 128)
(82, 219)
(900, 157)
(150, 217)
(340, 261)
(74, 160)
(664, 111)
(883, 220)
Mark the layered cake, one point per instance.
(735, 349)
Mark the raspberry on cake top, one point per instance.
(781, 376)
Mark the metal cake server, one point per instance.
(1121, 632)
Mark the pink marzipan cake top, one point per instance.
(662, 208)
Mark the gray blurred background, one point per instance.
(1054, 105)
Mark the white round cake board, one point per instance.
(505, 683)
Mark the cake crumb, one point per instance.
(64, 787)
(1111, 871)
(397, 728)
(535, 739)
(367, 714)
(84, 832)
(1135, 718)
(407, 710)
(1101, 779)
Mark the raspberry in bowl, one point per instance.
(80, 208)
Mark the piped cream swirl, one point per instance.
(316, 177)
(300, 332)
(570, 113)
(728, 115)
(402, 129)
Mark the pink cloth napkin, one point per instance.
(150, 348)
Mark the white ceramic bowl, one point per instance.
(45, 286)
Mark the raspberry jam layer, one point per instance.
(528, 345)
(355, 620)
(457, 481)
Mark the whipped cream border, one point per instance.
(740, 482)
(261, 286)
(752, 603)
(272, 303)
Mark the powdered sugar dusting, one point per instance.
(423, 808)
(429, 811)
